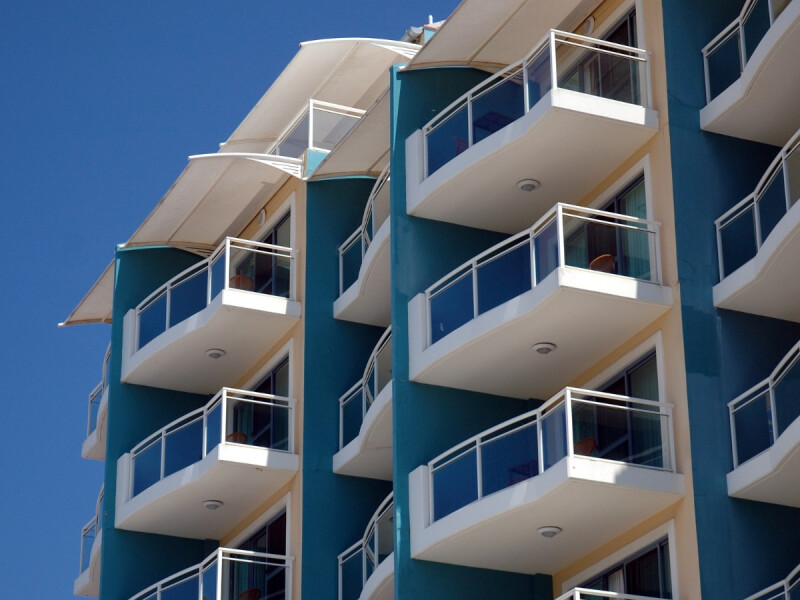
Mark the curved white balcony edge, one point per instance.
(240, 476)
(380, 585)
(368, 455)
(771, 476)
(94, 446)
(367, 300)
(534, 139)
(755, 107)
(88, 582)
(592, 500)
(235, 320)
(767, 284)
(611, 301)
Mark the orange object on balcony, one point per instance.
(242, 282)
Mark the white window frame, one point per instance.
(285, 503)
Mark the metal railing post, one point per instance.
(774, 410)
(560, 234)
(531, 241)
(553, 66)
(787, 192)
(757, 219)
(478, 460)
(526, 100)
(223, 415)
(470, 136)
(474, 273)
(734, 446)
(540, 442)
(568, 420)
(742, 47)
(163, 454)
(227, 263)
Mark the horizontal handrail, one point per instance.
(215, 281)
(733, 29)
(780, 165)
(783, 588)
(368, 546)
(589, 594)
(212, 561)
(217, 427)
(566, 219)
(518, 71)
(566, 401)
(765, 389)
(361, 389)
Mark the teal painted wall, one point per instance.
(336, 508)
(429, 419)
(132, 561)
(743, 546)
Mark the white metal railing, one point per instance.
(587, 594)
(356, 402)
(319, 126)
(236, 263)
(743, 46)
(521, 262)
(755, 415)
(231, 416)
(90, 531)
(368, 552)
(783, 590)
(228, 574)
(96, 395)
(375, 214)
(596, 425)
(783, 173)
(553, 59)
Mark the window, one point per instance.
(643, 574)
(261, 578)
(265, 425)
(264, 271)
(608, 75)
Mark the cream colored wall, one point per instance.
(293, 191)
(670, 325)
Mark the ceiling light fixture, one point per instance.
(550, 531)
(215, 352)
(543, 347)
(528, 185)
(215, 504)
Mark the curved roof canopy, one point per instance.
(217, 194)
(492, 35)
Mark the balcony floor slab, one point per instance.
(370, 454)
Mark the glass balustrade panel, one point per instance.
(153, 320)
(147, 467)
(385, 531)
(213, 427)
(352, 416)
(772, 203)
(86, 547)
(449, 139)
(188, 297)
(183, 447)
(351, 263)
(504, 276)
(296, 141)
(792, 166)
(511, 456)
(383, 366)
(787, 397)
(539, 77)
(545, 246)
(351, 576)
(451, 306)
(500, 104)
(217, 274)
(185, 590)
(724, 65)
(258, 423)
(209, 582)
(756, 26)
(455, 484)
(753, 427)
(554, 435)
(738, 240)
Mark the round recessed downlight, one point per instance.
(528, 185)
(543, 347)
(215, 352)
(549, 532)
(212, 504)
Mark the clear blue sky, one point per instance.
(101, 104)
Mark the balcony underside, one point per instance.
(771, 476)
(586, 314)
(368, 300)
(243, 324)
(569, 142)
(241, 477)
(94, 446)
(767, 284)
(762, 104)
(380, 585)
(88, 582)
(593, 501)
(370, 454)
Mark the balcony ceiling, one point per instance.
(494, 34)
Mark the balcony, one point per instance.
(210, 324)
(365, 419)
(365, 264)
(517, 125)
(94, 446)
(366, 569)
(88, 580)
(228, 574)
(234, 452)
(589, 463)
(758, 244)
(581, 281)
(586, 594)
(751, 75)
(765, 431)
(783, 590)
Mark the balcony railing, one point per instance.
(232, 416)
(236, 263)
(760, 415)
(741, 231)
(566, 236)
(353, 250)
(96, 395)
(726, 56)
(228, 575)
(573, 62)
(788, 589)
(587, 594)
(321, 126)
(356, 402)
(590, 424)
(90, 531)
(359, 561)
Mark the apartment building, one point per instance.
(470, 316)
